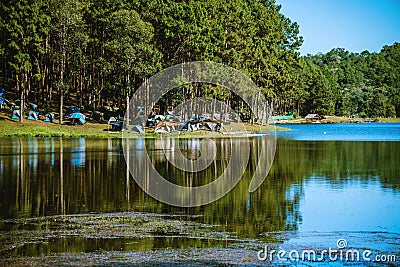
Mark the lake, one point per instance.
(327, 182)
(371, 131)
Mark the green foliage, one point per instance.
(366, 84)
(100, 51)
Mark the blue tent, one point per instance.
(49, 117)
(71, 110)
(33, 115)
(137, 129)
(2, 98)
(16, 114)
(116, 125)
(33, 112)
(33, 107)
(74, 109)
(77, 118)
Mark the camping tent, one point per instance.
(116, 125)
(165, 127)
(190, 126)
(49, 117)
(137, 129)
(2, 98)
(212, 126)
(71, 110)
(2, 91)
(33, 107)
(16, 114)
(77, 118)
(312, 117)
(33, 112)
(33, 115)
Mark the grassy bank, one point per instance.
(390, 120)
(38, 128)
(43, 129)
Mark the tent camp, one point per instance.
(137, 129)
(165, 127)
(33, 112)
(189, 126)
(312, 117)
(115, 124)
(16, 114)
(153, 120)
(49, 117)
(77, 118)
(212, 126)
(71, 110)
(33, 115)
(3, 99)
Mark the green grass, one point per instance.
(39, 128)
(389, 120)
(43, 129)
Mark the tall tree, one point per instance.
(68, 42)
(24, 26)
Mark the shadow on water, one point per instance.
(54, 176)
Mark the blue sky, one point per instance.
(355, 25)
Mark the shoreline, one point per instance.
(12, 128)
(97, 130)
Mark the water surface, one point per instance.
(372, 131)
(315, 193)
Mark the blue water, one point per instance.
(342, 132)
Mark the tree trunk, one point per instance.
(61, 104)
(20, 87)
(63, 59)
(127, 111)
(214, 104)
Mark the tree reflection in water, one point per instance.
(47, 176)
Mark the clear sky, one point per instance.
(355, 25)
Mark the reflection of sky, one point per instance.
(15, 151)
(78, 152)
(349, 208)
(342, 132)
(33, 149)
(49, 145)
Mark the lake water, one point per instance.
(343, 132)
(346, 186)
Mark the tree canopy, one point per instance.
(98, 52)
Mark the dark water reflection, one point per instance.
(50, 176)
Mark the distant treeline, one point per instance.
(98, 52)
